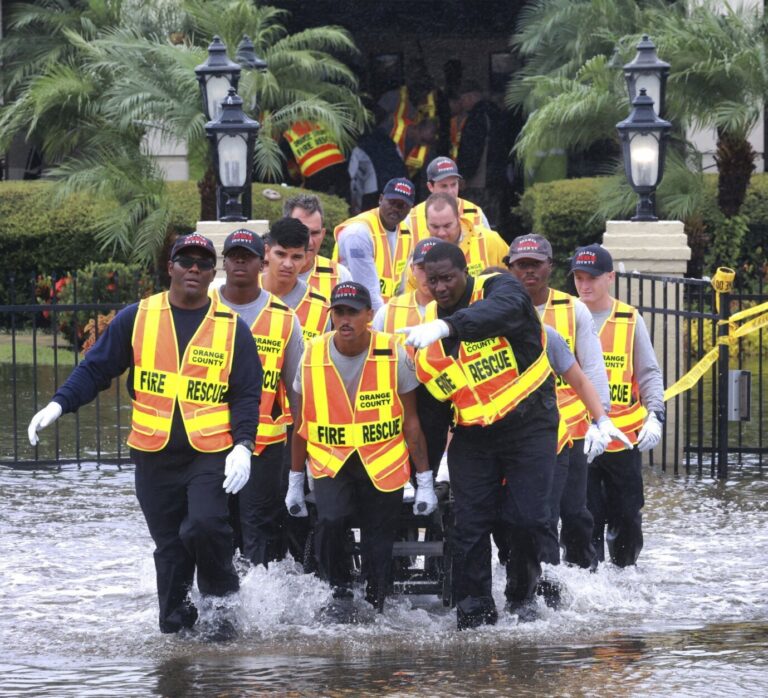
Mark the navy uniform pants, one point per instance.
(350, 497)
(615, 498)
(186, 511)
(520, 452)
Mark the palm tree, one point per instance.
(106, 79)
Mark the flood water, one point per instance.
(78, 611)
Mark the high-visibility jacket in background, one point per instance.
(617, 338)
(371, 425)
(389, 267)
(312, 312)
(457, 126)
(470, 213)
(313, 147)
(560, 314)
(324, 276)
(483, 383)
(198, 383)
(414, 161)
(400, 121)
(272, 330)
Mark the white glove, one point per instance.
(48, 415)
(421, 336)
(612, 432)
(594, 442)
(425, 501)
(294, 499)
(650, 434)
(237, 469)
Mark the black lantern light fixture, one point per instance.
(246, 56)
(646, 71)
(233, 137)
(216, 76)
(643, 143)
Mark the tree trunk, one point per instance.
(207, 188)
(735, 160)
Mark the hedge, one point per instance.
(36, 238)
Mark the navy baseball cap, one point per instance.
(530, 247)
(442, 167)
(400, 188)
(422, 247)
(351, 294)
(193, 240)
(593, 259)
(246, 239)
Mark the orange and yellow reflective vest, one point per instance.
(617, 337)
(373, 427)
(389, 267)
(457, 126)
(324, 276)
(313, 147)
(312, 311)
(483, 383)
(271, 330)
(400, 121)
(470, 213)
(560, 313)
(198, 383)
(418, 154)
(399, 312)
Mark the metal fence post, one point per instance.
(722, 388)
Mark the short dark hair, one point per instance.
(308, 202)
(447, 250)
(288, 232)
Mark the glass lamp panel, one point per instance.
(216, 89)
(233, 158)
(652, 84)
(644, 156)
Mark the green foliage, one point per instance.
(727, 239)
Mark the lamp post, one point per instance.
(643, 138)
(246, 55)
(233, 137)
(216, 76)
(646, 71)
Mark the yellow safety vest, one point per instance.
(198, 383)
(418, 154)
(483, 383)
(324, 276)
(313, 311)
(400, 121)
(372, 427)
(313, 147)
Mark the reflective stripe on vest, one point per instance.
(402, 311)
(313, 147)
(483, 383)
(476, 252)
(418, 154)
(373, 428)
(390, 269)
(198, 383)
(470, 213)
(400, 121)
(617, 338)
(457, 126)
(324, 276)
(312, 311)
(560, 313)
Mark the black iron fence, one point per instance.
(42, 341)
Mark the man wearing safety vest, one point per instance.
(482, 356)
(358, 426)
(530, 260)
(375, 245)
(322, 165)
(443, 176)
(195, 380)
(277, 333)
(286, 254)
(318, 272)
(615, 480)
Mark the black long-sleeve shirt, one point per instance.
(112, 354)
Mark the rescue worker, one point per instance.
(318, 272)
(358, 426)
(530, 260)
(375, 245)
(195, 380)
(482, 357)
(286, 253)
(321, 163)
(443, 176)
(258, 510)
(615, 480)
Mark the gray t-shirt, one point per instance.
(293, 349)
(350, 369)
(645, 366)
(588, 350)
(560, 357)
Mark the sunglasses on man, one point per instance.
(185, 262)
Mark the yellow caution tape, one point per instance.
(722, 282)
(693, 376)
